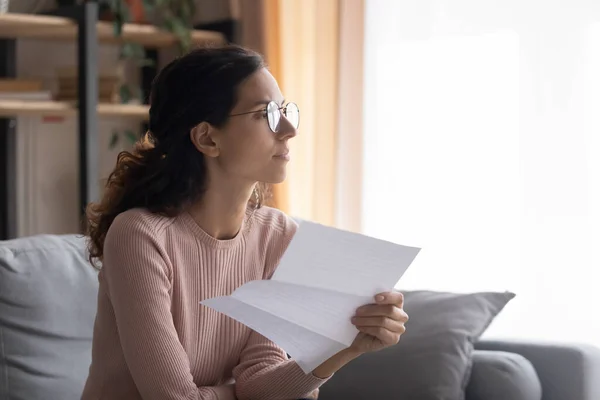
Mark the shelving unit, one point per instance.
(78, 23)
(62, 28)
(14, 108)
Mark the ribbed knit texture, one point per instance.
(152, 337)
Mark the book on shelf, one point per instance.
(44, 95)
(23, 90)
(17, 85)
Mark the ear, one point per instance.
(203, 138)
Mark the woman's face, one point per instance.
(245, 148)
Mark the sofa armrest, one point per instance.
(566, 371)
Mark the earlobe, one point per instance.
(202, 136)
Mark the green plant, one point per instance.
(128, 135)
(174, 16)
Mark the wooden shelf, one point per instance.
(12, 108)
(13, 25)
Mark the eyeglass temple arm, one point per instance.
(248, 112)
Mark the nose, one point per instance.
(286, 129)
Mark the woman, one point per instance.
(181, 220)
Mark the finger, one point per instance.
(379, 322)
(385, 310)
(384, 335)
(395, 298)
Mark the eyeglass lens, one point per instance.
(290, 111)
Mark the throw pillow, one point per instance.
(500, 375)
(432, 360)
(48, 294)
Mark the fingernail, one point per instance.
(379, 298)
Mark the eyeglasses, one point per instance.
(273, 114)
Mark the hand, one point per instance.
(380, 324)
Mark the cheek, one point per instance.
(258, 136)
(250, 147)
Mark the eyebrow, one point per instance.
(265, 102)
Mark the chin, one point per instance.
(274, 180)
(275, 177)
(273, 174)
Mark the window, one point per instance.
(482, 145)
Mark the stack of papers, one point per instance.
(323, 277)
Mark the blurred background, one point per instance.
(469, 128)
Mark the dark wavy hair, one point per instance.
(165, 172)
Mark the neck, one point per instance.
(222, 209)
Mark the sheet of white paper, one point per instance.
(333, 259)
(307, 348)
(324, 312)
(324, 275)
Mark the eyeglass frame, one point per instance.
(284, 114)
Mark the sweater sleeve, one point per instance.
(137, 281)
(264, 371)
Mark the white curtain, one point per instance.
(482, 146)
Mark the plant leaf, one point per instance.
(182, 32)
(121, 16)
(116, 6)
(124, 93)
(125, 12)
(132, 137)
(138, 93)
(114, 140)
(126, 51)
(145, 62)
(148, 5)
(132, 50)
(186, 10)
(169, 22)
(117, 27)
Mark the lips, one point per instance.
(284, 155)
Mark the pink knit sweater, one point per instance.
(152, 337)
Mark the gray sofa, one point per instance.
(48, 302)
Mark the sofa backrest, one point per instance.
(48, 294)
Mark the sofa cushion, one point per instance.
(432, 360)
(48, 295)
(500, 375)
(567, 371)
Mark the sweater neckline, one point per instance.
(209, 240)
